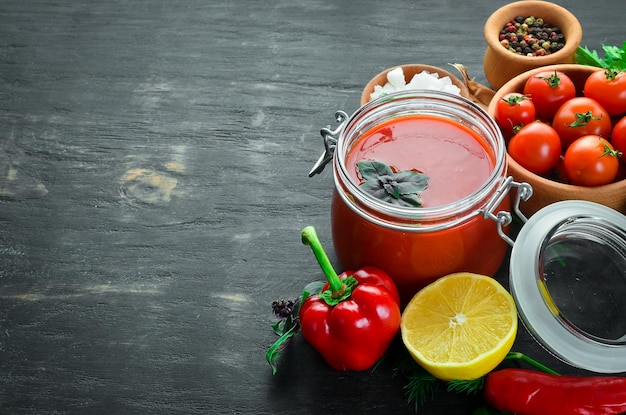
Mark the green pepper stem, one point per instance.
(309, 237)
(530, 361)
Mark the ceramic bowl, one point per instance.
(409, 71)
(547, 191)
(501, 65)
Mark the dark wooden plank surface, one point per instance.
(153, 185)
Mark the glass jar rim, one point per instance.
(433, 101)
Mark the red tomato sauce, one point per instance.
(451, 155)
(458, 163)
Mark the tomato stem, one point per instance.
(611, 73)
(583, 119)
(608, 151)
(514, 100)
(553, 80)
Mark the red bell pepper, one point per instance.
(528, 392)
(354, 318)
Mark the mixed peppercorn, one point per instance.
(531, 36)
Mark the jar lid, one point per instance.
(568, 278)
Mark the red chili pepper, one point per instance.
(354, 318)
(528, 392)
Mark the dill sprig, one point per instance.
(421, 385)
(420, 388)
(467, 387)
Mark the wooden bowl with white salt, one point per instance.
(391, 80)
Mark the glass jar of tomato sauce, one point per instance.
(461, 224)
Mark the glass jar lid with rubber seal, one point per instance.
(568, 277)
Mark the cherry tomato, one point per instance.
(621, 173)
(513, 111)
(536, 147)
(549, 90)
(581, 116)
(618, 138)
(558, 172)
(608, 87)
(591, 161)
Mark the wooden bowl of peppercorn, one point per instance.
(560, 28)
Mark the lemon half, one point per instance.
(460, 327)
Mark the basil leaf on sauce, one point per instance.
(398, 188)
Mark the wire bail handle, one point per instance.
(504, 218)
(330, 142)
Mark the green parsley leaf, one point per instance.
(614, 57)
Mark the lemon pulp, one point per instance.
(461, 326)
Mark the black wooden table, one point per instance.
(153, 186)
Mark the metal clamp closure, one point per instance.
(330, 142)
(503, 218)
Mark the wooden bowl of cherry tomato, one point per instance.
(565, 127)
